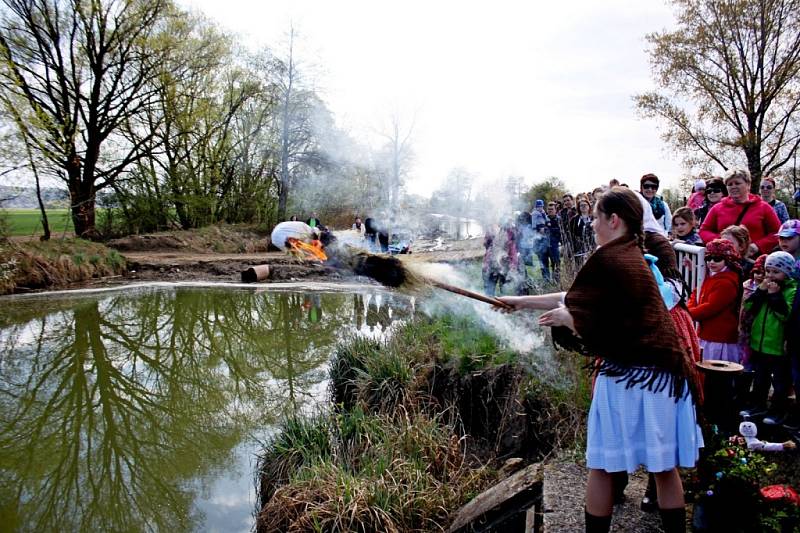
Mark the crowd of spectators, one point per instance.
(747, 310)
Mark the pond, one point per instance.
(142, 409)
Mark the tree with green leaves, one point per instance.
(551, 188)
(203, 92)
(78, 71)
(729, 83)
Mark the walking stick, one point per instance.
(470, 294)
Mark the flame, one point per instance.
(305, 250)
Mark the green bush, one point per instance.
(348, 360)
(115, 261)
(398, 452)
(460, 339)
(299, 441)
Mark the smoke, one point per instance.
(517, 331)
(353, 178)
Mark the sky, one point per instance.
(500, 88)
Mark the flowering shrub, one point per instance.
(734, 460)
(727, 491)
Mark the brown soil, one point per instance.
(222, 253)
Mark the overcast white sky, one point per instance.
(525, 88)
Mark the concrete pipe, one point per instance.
(256, 273)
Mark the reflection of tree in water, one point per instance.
(358, 310)
(303, 343)
(110, 408)
(384, 309)
(372, 312)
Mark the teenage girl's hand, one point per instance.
(763, 285)
(514, 303)
(772, 287)
(560, 316)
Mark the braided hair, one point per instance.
(624, 203)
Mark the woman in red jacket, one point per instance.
(716, 309)
(742, 207)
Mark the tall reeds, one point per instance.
(399, 473)
(417, 427)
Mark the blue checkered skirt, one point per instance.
(629, 427)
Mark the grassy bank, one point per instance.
(419, 425)
(55, 263)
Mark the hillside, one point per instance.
(25, 197)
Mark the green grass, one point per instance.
(460, 338)
(385, 475)
(28, 222)
(55, 263)
(391, 455)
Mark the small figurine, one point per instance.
(749, 431)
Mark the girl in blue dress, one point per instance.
(642, 411)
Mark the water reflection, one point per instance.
(119, 413)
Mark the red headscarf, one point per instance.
(760, 264)
(725, 249)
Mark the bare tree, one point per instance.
(730, 82)
(294, 123)
(81, 69)
(23, 138)
(397, 158)
(454, 197)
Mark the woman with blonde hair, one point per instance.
(745, 208)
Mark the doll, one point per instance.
(749, 431)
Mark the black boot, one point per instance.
(673, 520)
(741, 390)
(792, 422)
(650, 501)
(597, 524)
(619, 480)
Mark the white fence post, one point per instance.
(692, 264)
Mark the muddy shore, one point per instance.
(176, 265)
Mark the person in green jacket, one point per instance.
(770, 305)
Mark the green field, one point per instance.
(28, 221)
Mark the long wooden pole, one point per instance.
(469, 294)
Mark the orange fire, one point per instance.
(305, 250)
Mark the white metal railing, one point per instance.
(692, 264)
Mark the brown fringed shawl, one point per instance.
(620, 317)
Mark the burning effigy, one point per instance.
(298, 239)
